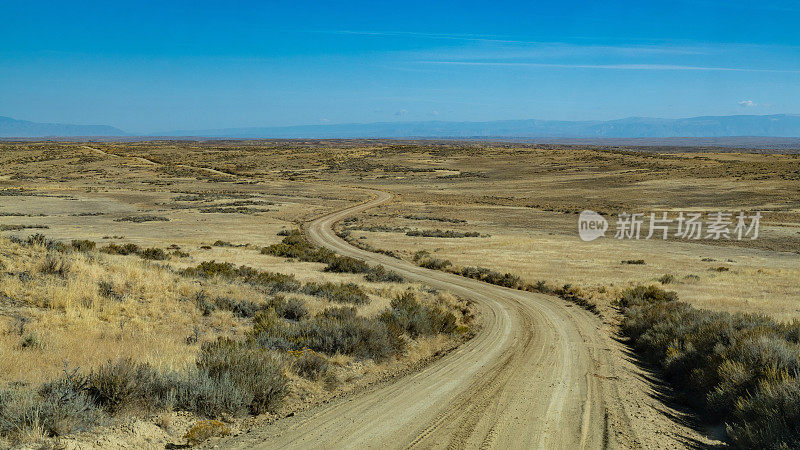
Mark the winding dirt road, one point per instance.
(539, 374)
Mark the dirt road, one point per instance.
(540, 374)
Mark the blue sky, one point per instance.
(156, 66)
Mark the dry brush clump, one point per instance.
(740, 369)
(341, 330)
(296, 246)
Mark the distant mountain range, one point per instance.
(778, 125)
(22, 128)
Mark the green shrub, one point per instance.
(127, 249)
(274, 282)
(434, 263)
(337, 292)
(379, 273)
(634, 261)
(296, 246)
(346, 264)
(490, 276)
(409, 315)
(155, 254)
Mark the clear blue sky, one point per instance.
(155, 66)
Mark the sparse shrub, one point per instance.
(292, 309)
(309, 364)
(126, 249)
(141, 219)
(421, 255)
(124, 383)
(434, 263)
(337, 292)
(275, 282)
(379, 273)
(40, 240)
(442, 234)
(55, 265)
(155, 254)
(180, 254)
(409, 315)
(32, 341)
(540, 286)
(578, 296)
(335, 330)
(57, 411)
(666, 279)
(208, 396)
(82, 245)
(720, 269)
(490, 276)
(221, 243)
(204, 303)
(255, 371)
(634, 261)
(346, 264)
(240, 308)
(296, 246)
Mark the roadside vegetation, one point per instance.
(567, 292)
(296, 246)
(288, 336)
(739, 369)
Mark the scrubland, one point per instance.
(501, 213)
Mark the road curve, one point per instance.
(539, 374)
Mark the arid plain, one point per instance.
(509, 208)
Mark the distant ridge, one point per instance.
(778, 125)
(770, 126)
(22, 128)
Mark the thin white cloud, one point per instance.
(747, 103)
(606, 66)
(526, 44)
